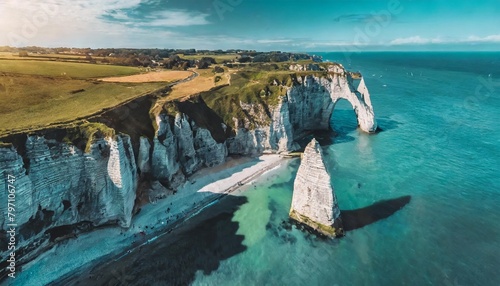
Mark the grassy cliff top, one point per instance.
(63, 69)
(39, 94)
(261, 85)
(80, 135)
(31, 103)
(83, 135)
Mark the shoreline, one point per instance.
(106, 244)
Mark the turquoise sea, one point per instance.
(440, 113)
(437, 158)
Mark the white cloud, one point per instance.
(174, 19)
(269, 41)
(85, 23)
(487, 39)
(417, 40)
(312, 45)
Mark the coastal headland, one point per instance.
(144, 151)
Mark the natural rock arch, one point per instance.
(311, 104)
(307, 106)
(343, 116)
(358, 97)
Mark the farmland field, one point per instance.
(36, 94)
(48, 57)
(64, 69)
(159, 76)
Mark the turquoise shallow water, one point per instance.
(440, 145)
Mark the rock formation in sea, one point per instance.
(62, 184)
(307, 105)
(314, 203)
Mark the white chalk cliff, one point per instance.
(307, 105)
(314, 202)
(60, 185)
(183, 149)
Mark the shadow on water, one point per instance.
(386, 124)
(344, 122)
(351, 220)
(199, 244)
(354, 219)
(325, 138)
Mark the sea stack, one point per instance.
(314, 203)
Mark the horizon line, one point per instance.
(269, 50)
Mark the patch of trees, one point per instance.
(204, 62)
(175, 62)
(167, 58)
(276, 57)
(7, 49)
(245, 59)
(218, 69)
(271, 57)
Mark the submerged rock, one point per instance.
(314, 203)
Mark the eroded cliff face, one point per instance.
(63, 190)
(307, 105)
(60, 187)
(181, 148)
(314, 203)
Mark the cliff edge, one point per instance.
(76, 177)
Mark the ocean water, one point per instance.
(440, 145)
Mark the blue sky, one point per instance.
(313, 25)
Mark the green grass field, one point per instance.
(30, 102)
(64, 69)
(35, 94)
(47, 57)
(249, 85)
